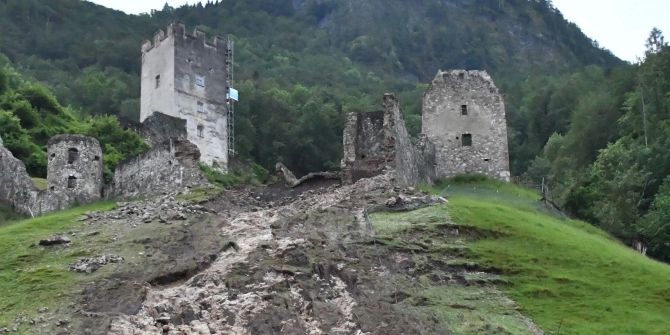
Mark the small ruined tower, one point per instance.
(74, 169)
(464, 116)
(186, 76)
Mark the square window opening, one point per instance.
(71, 182)
(72, 155)
(201, 131)
(201, 107)
(466, 140)
(158, 81)
(464, 109)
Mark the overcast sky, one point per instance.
(621, 26)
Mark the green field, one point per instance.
(32, 277)
(568, 276)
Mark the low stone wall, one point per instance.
(167, 167)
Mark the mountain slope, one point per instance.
(270, 260)
(301, 64)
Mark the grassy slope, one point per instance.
(570, 277)
(32, 277)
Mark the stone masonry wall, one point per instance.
(167, 167)
(366, 150)
(159, 128)
(17, 188)
(184, 76)
(75, 168)
(375, 142)
(464, 116)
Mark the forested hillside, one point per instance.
(594, 127)
(611, 164)
(302, 64)
(30, 115)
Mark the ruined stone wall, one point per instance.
(464, 116)
(17, 188)
(375, 142)
(405, 154)
(75, 168)
(159, 128)
(367, 152)
(167, 167)
(194, 89)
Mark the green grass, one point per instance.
(40, 183)
(7, 215)
(464, 308)
(568, 276)
(32, 277)
(248, 174)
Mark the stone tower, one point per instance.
(464, 116)
(74, 170)
(185, 76)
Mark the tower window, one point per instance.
(72, 155)
(466, 140)
(201, 130)
(158, 81)
(201, 107)
(200, 81)
(464, 109)
(71, 182)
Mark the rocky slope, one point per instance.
(277, 260)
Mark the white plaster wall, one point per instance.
(213, 144)
(179, 58)
(158, 61)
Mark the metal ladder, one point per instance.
(230, 60)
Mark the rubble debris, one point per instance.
(162, 209)
(90, 265)
(407, 203)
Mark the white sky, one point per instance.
(621, 26)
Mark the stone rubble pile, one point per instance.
(90, 265)
(205, 304)
(406, 202)
(163, 209)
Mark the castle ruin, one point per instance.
(186, 76)
(464, 116)
(75, 167)
(74, 176)
(376, 142)
(464, 132)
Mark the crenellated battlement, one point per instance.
(178, 30)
